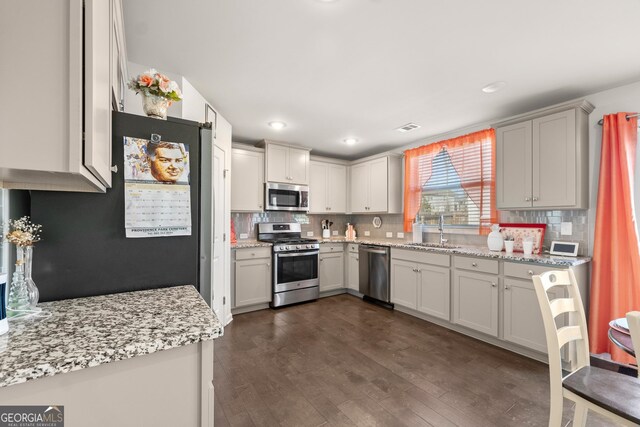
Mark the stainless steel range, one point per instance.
(295, 263)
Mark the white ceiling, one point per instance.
(361, 68)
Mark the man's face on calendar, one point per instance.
(167, 164)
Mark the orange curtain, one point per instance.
(472, 156)
(615, 284)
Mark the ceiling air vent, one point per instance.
(408, 127)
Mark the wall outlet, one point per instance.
(367, 233)
(566, 228)
(334, 233)
(389, 234)
(400, 235)
(244, 236)
(309, 233)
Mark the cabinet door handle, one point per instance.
(507, 287)
(357, 259)
(493, 284)
(474, 264)
(527, 199)
(535, 199)
(253, 254)
(530, 272)
(268, 265)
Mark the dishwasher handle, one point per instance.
(374, 249)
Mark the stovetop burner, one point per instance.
(285, 237)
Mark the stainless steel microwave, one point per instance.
(286, 197)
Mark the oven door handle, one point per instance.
(289, 255)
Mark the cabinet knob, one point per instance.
(474, 264)
(357, 259)
(530, 272)
(493, 284)
(507, 287)
(253, 254)
(114, 168)
(268, 265)
(321, 259)
(535, 199)
(260, 206)
(527, 199)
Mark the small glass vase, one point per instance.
(23, 293)
(155, 106)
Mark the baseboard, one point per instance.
(249, 308)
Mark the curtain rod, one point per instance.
(601, 121)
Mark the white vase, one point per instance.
(508, 246)
(155, 106)
(495, 240)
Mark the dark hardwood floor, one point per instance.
(341, 361)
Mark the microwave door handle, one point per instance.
(297, 254)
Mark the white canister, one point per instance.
(508, 246)
(416, 231)
(326, 233)
(494, 240)
(527, 247)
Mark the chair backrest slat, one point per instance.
(633, 318)
(567, 334)
(562, 305)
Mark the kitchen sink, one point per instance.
(434, 245)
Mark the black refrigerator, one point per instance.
(84, 249)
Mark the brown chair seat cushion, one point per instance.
(617, 393)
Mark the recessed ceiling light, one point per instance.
(494, 87)
(350, 141)
(278, 125)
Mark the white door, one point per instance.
(298, 166)
(434, 290)
(513, 166)
(378, 185)
(318, 187)
(218, 254)
(403, 283)
(360, 188)
(337, 188)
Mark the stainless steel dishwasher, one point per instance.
(375, 273)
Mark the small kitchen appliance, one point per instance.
(295, 263)
(286, 197)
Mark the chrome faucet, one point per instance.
(441, 229)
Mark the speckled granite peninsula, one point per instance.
(142, 352)
(88, 332)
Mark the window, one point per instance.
(454, 178)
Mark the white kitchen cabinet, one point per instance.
(353, 267)
(522, 319)
(286, 163)
(376, 186)
(542, 159)
(475, 301)
(421, 286)
(434, 291)
(331, 271)
(252, 276)
(247, 183)
(69, 148)
(119, 72)
(404, 283)
(327, 187)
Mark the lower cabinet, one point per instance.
(475, 301)
(252, 280)
(353, 271)
(522, 318)
(331, 271)
(422, 287)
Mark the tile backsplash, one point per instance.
(245, 223)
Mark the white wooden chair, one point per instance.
(611, 394)
(633, 319)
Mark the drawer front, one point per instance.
(525, 271)
(331, 248)
(481, 265)
(353, 248)
(253, 253)
(421, 257)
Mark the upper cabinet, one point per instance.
(542, 159)
(376, 186)
(327, 187)
(247, 189)
(57, 136)
(119, 73)
(286, 163)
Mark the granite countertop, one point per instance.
(469, 251)
(86, 332)
(243, 244)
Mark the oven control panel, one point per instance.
(296, 247)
